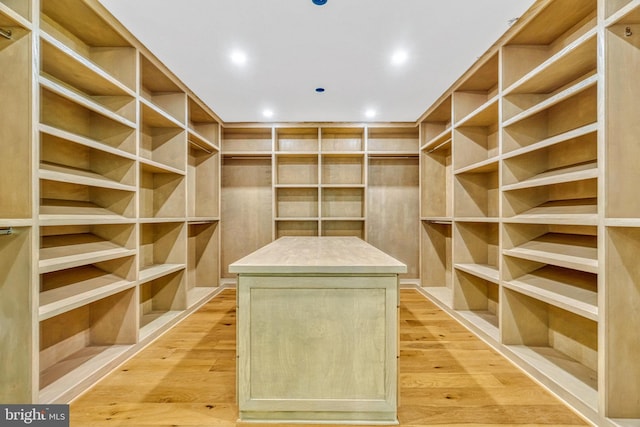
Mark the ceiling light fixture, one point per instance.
(319, 2)
(399, 57)
(319, 89)
(370, 113)
(267, 113)
(238, 57)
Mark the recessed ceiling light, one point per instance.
(238, 57)
(370, 113)
(399, 57)
(319, 89)
(267, 113)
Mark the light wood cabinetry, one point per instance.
(320, 180)
(110, 216)
(528, 214)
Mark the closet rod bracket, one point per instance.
(6, 231)
(5, 33)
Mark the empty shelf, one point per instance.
(81, 286)
(570, 290)
(60, 212)
(578, 252)
(577, 212)
(484, 271)
(71, 175)
(152, 272)
(73, 250)
(579, 172)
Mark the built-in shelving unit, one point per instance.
(528, 207)
(316, 180)
(110, 218)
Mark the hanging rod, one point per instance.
(6, 231)
(5, 33)
(438, 221)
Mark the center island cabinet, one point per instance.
(318, 332)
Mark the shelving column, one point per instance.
(343, 182)
(549, 310)
(436, 202)
(620, 281)
(296, 178)
(162, 286)
(88, 188)
(475, 159)
(393, 193)
(18, 235)
(247, 193)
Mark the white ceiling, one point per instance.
(294, 46)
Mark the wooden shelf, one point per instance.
(578, 252)
(15, 11)
(203, 251)
(77, 370)
(202, 124)
(74, 345)
(341, 139)
(154, 322)
(296, 169)
(342, 169)
(73, 250)
(436, 174)
(77, 287)
(58, 112)
(91, 36)
(576, 212)
(392, 140)
(161, 95)
(297, 140)
(343, 227)
(152, 272)
(476, 194)
(296, 202)
(60, 173)
(343, 202)
(521, 106)
(162, 192)
(572, 173)
(252, 141)
(438, 141)
(572, 62)
(66, 65)
(161, 301)
(297, 227)
(484, 115)
(616, 10)
(572, 376)
(83, 101)
(65, 212)
(436, 254)
(203, 169)
(484, 166)
(483, 271)
(567, 289)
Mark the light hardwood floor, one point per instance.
(448, 377)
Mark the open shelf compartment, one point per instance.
(568, 246)
(342, 227)
(343, 202)
(342, 169)
(246, 141)
(392, 140)
(341, 139)
(436, 175)
(203, 268)
(161, 90)
(63, 247)
(306, 228)
(561, 345)
(162, 249)
(202, 123)
(296, 202)
(162, 193)
(106, 48)
(297, 140)
(162, 300)
(296, 169)
(437, 260)
(76, 344)
(203, 178)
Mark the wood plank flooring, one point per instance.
(448, 377)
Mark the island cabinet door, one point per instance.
(318, 348)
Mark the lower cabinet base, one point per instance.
(368, 418)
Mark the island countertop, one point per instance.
(323, 255)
